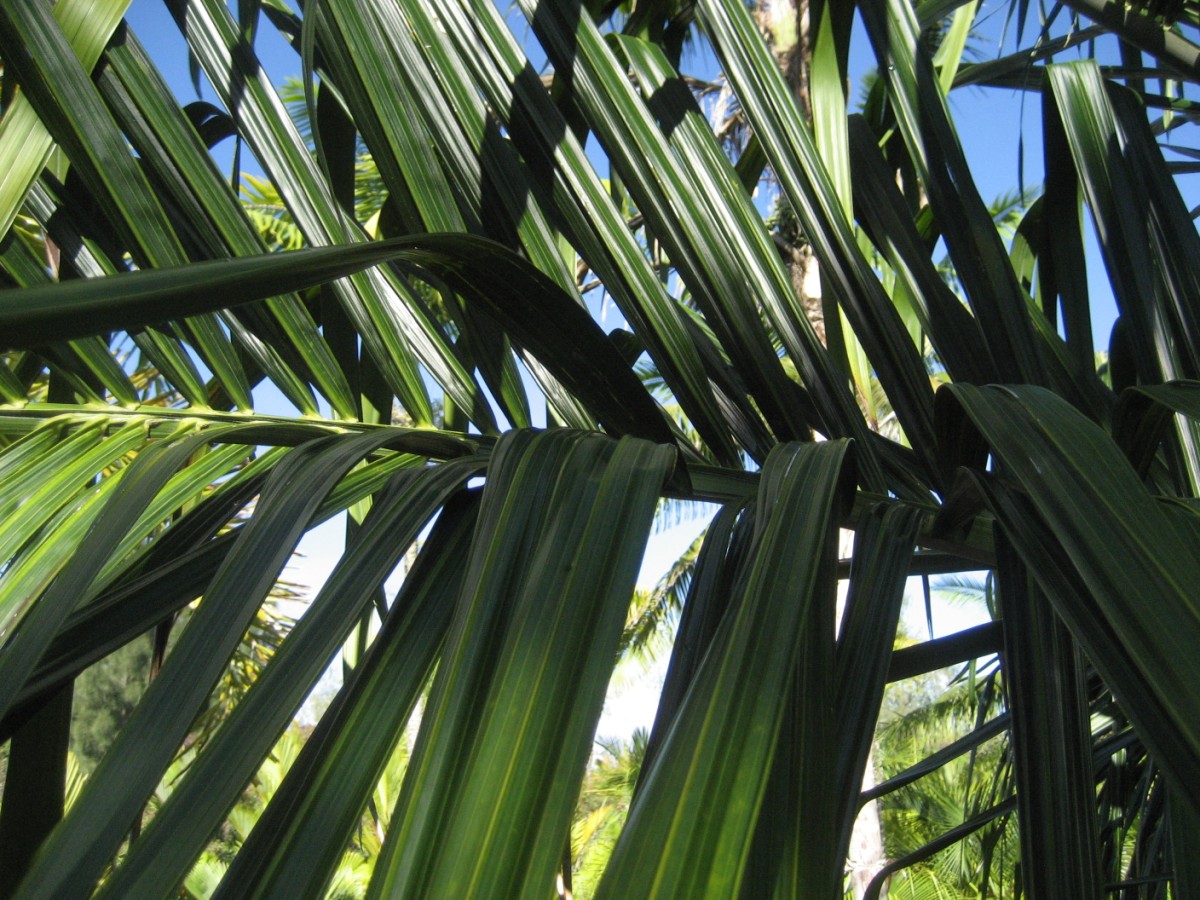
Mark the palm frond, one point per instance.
(190, 380)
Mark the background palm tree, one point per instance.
(506, 629)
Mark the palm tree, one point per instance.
(603, 803)
(464, 292)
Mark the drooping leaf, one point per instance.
(690, 830)
(1128, 558)
(181, 827)
(302, 833)
(522, 677)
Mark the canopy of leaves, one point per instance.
(148, 309)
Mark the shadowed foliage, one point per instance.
(946, 411)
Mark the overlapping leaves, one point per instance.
(116, 517)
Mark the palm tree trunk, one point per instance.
(867, 856)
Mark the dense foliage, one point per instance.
(823, 376)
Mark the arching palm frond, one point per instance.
(165, 362)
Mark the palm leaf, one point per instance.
(136, 276)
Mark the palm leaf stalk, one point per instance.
(121, 505)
